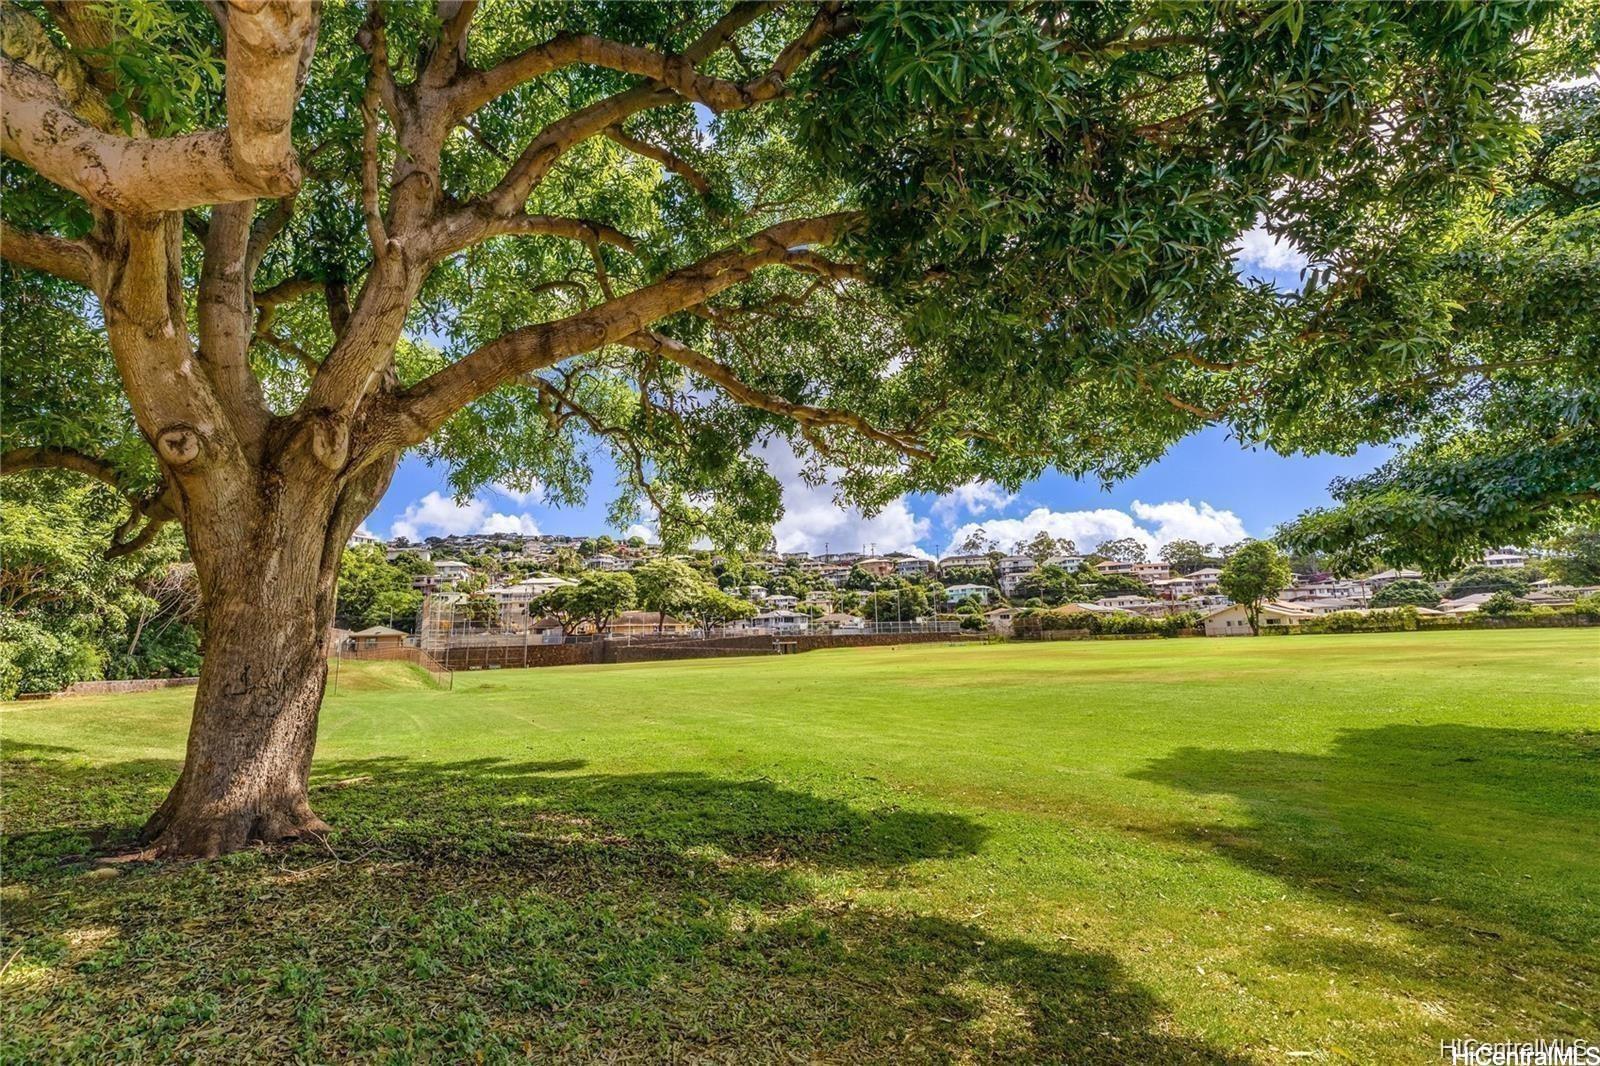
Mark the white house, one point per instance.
(1205, 577)
(1114, 566)
(1070, 563)
(605, 562)
(1127, 602)
(964, 561)
(787, 622)
(1015, 564)
(1001, 619)
(1233, 621)
(910, 566)
(957, 593)
(781, 602)
(361, 537)
(1505, 558)
(445, 572)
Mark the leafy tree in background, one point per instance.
(1255, 573)
(373, 591)
(922, 244)
(1502, 603)
(1187, 556)
(599, 597)
(666, 586)
(1042, 546)
(1406, 592)
(1476, 579)
(1095, 585)
(1574, 556)
(711, 607)
(67, 611)
(1050, 584)
(1121, 549)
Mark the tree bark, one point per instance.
(268, 577)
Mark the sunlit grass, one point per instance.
(1330, 848)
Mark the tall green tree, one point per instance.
(1501, 391)
(1255, 573)
(666, 586)
(925, 244)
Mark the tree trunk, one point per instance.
(268, 577)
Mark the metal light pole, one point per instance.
(875, 607)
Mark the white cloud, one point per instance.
(441, 516)
(1152, 524)
(1182, 520)
(1258, 248)
(510, 523)
(975, 498)
(640, 529)
(814, 522)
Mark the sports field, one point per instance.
(1314, 849)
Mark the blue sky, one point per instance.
(1207, 488)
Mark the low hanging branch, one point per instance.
(805, 414)
(157, 507)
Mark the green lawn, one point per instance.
(1339, 848)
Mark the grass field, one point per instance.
(1340, 848)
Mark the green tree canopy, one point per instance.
(1502, 389)
(1255, 573)
(1406, 591)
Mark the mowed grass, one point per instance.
(1321, 849)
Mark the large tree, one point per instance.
(927, 244)
(1253, 575)
(1503, 405)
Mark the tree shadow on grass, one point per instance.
(524, 910)
(1484, 842)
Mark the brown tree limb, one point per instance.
(70, 260)
(16, 460)
(429, 403)
(676, 164)
(464, 229)
(807, 415)
(251, 156)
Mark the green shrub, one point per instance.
(1502, 603)
(38, 660)
(1393, 620)
(1406, 591)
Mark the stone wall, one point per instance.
(112, 688)
(536, 655)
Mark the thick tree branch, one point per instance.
(669, 79)
(805, 414)
(675, 164)
(17, 460)
(251, 157)
(428, 404)
(71, 260)
(464, 229)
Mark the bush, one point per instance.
(37, 660)
(1586, 606)
(1115, 624)
(1477, 579)
(1395, 620)
(1502, 603)
(1406, 591)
